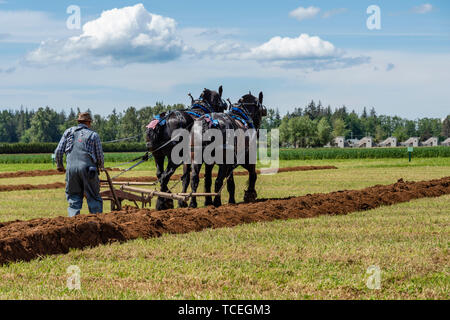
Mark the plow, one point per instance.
(136, 192)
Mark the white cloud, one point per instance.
(333, 12)
(304, 52)
(302, 13)
(119, 36)
(302, 47)
(422, 9)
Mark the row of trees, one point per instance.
(47, 125)
(311, 126)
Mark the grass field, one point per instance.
(9, 156)
(324, 257)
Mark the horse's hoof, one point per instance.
(160, 204)
(250, 196)
(182, 204)
(208, 202)
(164, 204)
(193, 205)
(169, 204)
(232, 201)
(217, 202)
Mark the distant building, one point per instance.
(353, 143)
(338, 142)
(432, 142)
(411, 142)
(389, 142)
(446, 142)
(366, 142)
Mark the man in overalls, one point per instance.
(84, 157)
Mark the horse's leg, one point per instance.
(224, 171)
(195, 180)
(159, 161)
(208, 183)
(164, 181)
(250, 194)
(186, 178)
(231, 187)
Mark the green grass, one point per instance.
(319, 258)
(285, 154)
(46, 158)
(49, 147)
(362, 153)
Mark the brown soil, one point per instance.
(20, 187)
(60, 185)
(34, 173)
(26, 240)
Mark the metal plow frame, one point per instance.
(133, 191)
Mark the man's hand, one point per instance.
(61, 169)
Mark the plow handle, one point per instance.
(111, 188)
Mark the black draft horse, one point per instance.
(246, 114)
(159, 136)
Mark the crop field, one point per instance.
(308, 247)
(41, 153)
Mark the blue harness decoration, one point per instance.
(161, 121)
(198, 105)
(194, 114)
(246, 121)
(214, 122)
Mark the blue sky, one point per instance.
(294, 51)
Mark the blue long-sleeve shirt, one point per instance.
(93, 146)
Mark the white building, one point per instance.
(411, 142)
(366, 142)
(339, 142)
(446, 142)
(389, 142)
(432, 142)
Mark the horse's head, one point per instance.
(253, 106)
(214, 99)
(154, 134)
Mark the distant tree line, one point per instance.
(47, 125)
(311, 126)
(315, 126)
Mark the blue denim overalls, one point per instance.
(78, 181)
